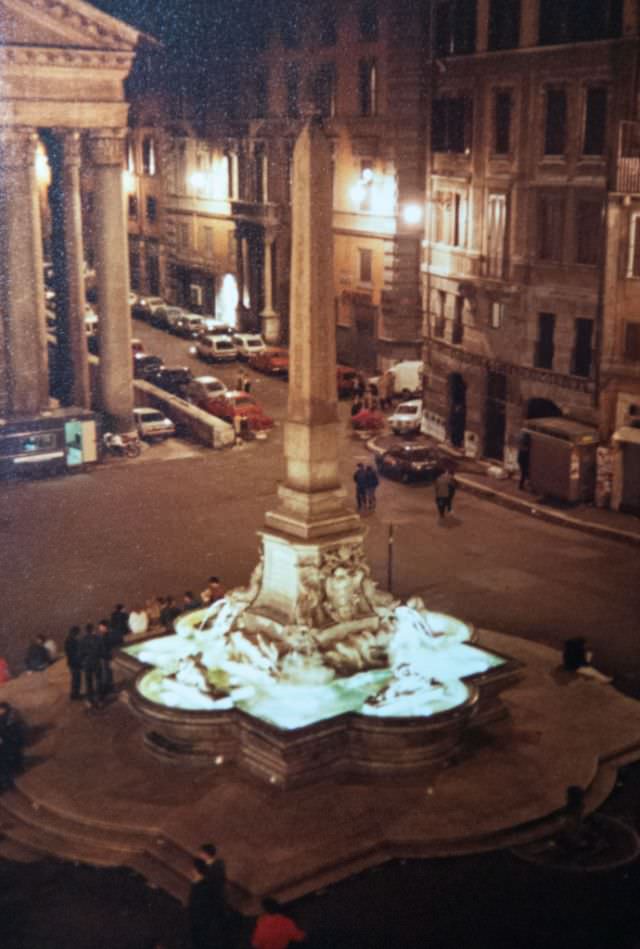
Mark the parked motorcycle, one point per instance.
(125, 446)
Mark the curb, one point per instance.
(536, 510)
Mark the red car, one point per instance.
(229, 404)
(274, 360)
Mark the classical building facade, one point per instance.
(530, 280)
(62, 70)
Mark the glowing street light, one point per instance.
(412, 213)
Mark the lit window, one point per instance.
(366, 265)
(148, 156)
(496, 315)
(367, 87)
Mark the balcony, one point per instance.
(628, 163)
(264, 214)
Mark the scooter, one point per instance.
(125, 446)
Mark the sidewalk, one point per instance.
(474, 476)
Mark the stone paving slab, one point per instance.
(90, 772)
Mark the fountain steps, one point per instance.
(36, 829)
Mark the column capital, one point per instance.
(107, 146)
(18, 146)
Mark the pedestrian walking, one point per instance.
(274, 930)
(360, 479)
(73, 656)
(90, 657)
(524, 458)
(442, 492)
(371, 485)
(453, 487)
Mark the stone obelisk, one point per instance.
(313, 564)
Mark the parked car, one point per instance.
(151, 423)
(203, 388)
(216, 348)
(162, 317)
(146, 366)
(367, 420)
(414, 460)
(173, 379)
(189, 325)
(229, 404)
(216, 327)
(273, 360)
(407, 417)
(145, 306)
(248, 344)
(346, 379)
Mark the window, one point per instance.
(595, 121)
(550, 226)
(134, 268)
(132, 206)
(440, 321)
(152, 208)
(292, 82)
(544, 348)
(451, 124)
(261, 93)
(365, 185)
(588, 231)
(183, 236)
(448, 218)
(454, 26)
(567, 21)
(368, 20)
(581, 359)
(365, 266)
(208, 241)
(153, 268)
(131, 166)
(323, 91)
(632, 341)
(496, 314)
(633, 269)
(496, 234)
(504, 24)
(260, 169)
(367, 86)
(328, 29)
(457, 330)
(502, 123)
(555, 128)
(148, 156)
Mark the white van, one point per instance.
(407, 378)
(216, 348)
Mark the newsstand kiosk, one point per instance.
(562, 458)
(55, 442)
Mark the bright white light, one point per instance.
(128, 181)
(412, 213)
(357, 193)
(43, 171)
(367, 175)
(198, 180)
(227, 299)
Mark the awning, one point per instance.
(627, 434)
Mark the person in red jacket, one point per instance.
(273, 929)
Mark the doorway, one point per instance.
(457, 409)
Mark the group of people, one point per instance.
(213, 922)
(366, 482)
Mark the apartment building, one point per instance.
(528, 265)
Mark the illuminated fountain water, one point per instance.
(311, 669)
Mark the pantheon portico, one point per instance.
(62, 70)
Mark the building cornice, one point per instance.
(49, 57)
(75, 17)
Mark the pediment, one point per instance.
(63, 24)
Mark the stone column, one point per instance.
(68, 256)
(270, 319)
(112, 271)
(312, 500)
(25, 382)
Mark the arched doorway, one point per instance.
(542, 408)
(457, 409)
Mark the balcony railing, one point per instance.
(628, 164)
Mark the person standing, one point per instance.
(247, 382)
(90, 657)
(119, 624)
(453, 487)
(37, 657)
(138, 622)
(213, 591)
(443, 490)
(73, 655)
(524, 457)
(360, 479)
(206, 907)
(371, 485)
(107, 643)
(274, 930)
(169, 613)
(240, 381)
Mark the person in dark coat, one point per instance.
(37, 657)
(12, 741)
(74, 660)
(371, 484)
(524, 457)
(207, 908)
(360, 479)
(91, 659)
(168, 613)
(119, 624)
(107, 645)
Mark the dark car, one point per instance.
(414, 460)
(145, 367)
(173, 379)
